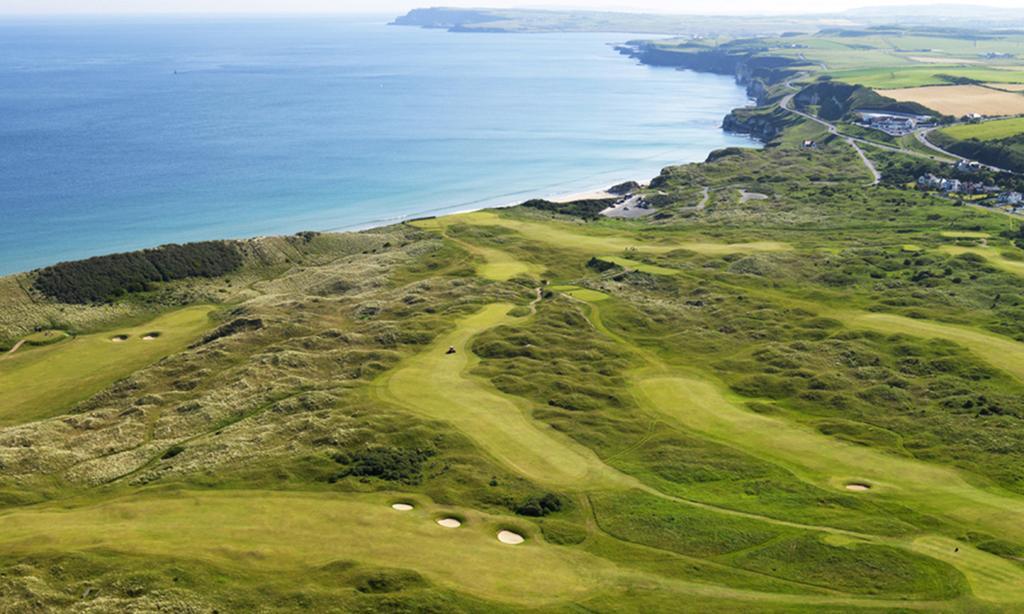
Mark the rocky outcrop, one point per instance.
(764, 125)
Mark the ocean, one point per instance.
(123, 133)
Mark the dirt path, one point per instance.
(14, 349)
(867, 162)
(706, 196)
(536, 301)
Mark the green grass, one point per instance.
(989, 254)
(896, 77)
(999, 352)
(37, 383)
(987, 131)
(45, 337)
(294, 534)
(438, 386)
(580, 238)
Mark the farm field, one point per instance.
(1008, 87)
(961, 100)
(905, 77)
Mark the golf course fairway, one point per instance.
(78, 368)
(437, 385)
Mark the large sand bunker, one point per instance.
(449, 523)
(510, 538)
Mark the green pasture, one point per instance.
(896, 77)
(987, 131)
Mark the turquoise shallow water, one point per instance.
(122, 134)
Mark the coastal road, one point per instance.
(922, 137)
(786, 104)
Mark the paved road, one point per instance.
(867, 162)
(787, 105)
(922, 137)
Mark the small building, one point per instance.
(929, 182)
(952, 186)
(809, 144)
(968, 166)
(1010, 198)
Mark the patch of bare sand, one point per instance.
(510, 538)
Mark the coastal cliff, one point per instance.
(758, 73)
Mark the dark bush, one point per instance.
(392, 464)
(104, 278)
(537, 507)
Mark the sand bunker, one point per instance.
(402, 507)
(119, 338)
(150, 336)
(449, 523)
(510, 538)
(858, 487)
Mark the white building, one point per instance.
(1011, 198)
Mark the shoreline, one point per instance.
(600, 191)
(561, 197)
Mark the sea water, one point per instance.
(123, 133)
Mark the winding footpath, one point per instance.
(17, 346)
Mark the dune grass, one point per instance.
(37, 383)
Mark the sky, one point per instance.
(400, 6)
